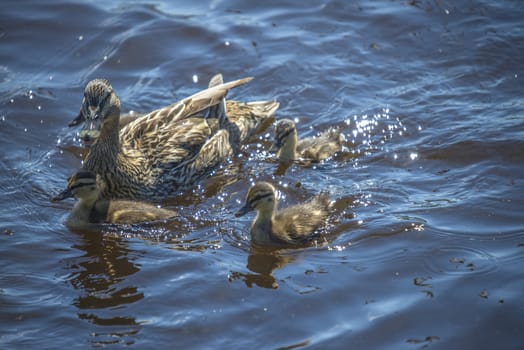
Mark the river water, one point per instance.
(425, 248)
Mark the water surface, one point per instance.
(426, 246)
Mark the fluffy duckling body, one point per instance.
(170, 148)
(294, 225)
(91, 209)
(289, 147)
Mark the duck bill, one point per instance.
(63, 195)
(244, 210)
(79, 119)
(90, 132)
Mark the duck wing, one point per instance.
(175, 133)
(322, 146)
(167, 116)
(299, 222)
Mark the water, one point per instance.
(426, 246)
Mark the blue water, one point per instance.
(426, 246)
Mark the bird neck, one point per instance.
(103, 154)
(82, 210)
(262, 228)
(288, 151)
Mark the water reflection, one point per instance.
(101, 275)
(262, 262)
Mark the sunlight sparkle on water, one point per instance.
(195, 78)
(413, 156)
(338, 248)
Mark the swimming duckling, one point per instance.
(91, 209)
(315, 149)
(294, 225)
(170, 148)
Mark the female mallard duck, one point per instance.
(167, 149)
(290, 226)
(315, 149)
(91, 209)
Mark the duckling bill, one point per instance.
(290, 226)
(91, 209)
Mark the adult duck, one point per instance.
(170, 148)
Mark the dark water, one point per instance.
(426, 248)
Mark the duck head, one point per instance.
(99, 106)
(285, 140)
(82, 185)
(260, 197)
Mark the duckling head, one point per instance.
(285, 140)
(100, 105)
(260, 197)
(82, 185)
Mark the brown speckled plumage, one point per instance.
(290, 226)
(170, 148)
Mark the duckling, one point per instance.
(168, 149)
(314, 149)
(91, 209)
(294, 225)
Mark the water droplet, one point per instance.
(195, 78)
(105, 57)
(81, 37)
(227, 43)
(12, 100)
(40, 108)
(25, 129)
